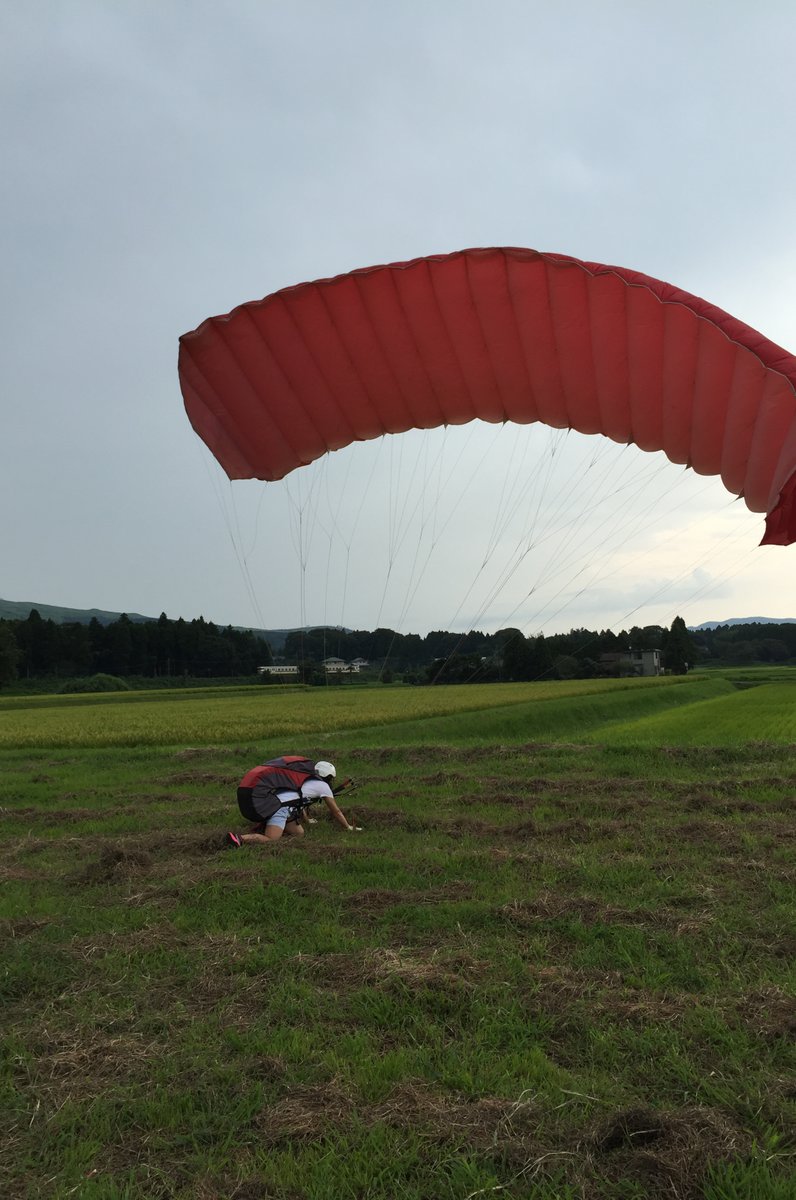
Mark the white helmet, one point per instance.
(326, 770)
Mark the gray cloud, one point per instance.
(167, 162)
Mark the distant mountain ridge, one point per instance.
(744, 621)
(19, 610)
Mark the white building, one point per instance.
(635, 662)
(338, 666)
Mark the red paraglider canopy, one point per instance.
(501, 334)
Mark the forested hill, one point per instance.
(20, 610)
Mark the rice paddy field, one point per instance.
(557, 963)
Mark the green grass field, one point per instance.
(557, 963)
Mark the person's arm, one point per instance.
(339, 816)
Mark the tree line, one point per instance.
(724, 645)
(166, 649)
(37, 648)
(508, 654)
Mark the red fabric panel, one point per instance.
(500, 334)
(528, 287)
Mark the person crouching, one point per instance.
(275, 797)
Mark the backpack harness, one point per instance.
(258, 797)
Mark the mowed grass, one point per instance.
(557, 963)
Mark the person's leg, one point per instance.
(274, 828)
(294, 828)
(272, 834)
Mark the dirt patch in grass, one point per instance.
(579, 998)
(574, 831)
(217, 777)
(708, 833)
(576, 999)
(21, 927)
(769, 1012)
(666, 1152)
(197, 845)
(483, 1124)
(510, 800)
(337, 851)
(115, 863)
(425, 756)
(489, 1123)
(746, 873)
(75, 1064)
(378, 900)
(785, 804)
(11, 872)
(43, 816)
(380, 818)
(21, 814)
(591, 911)
(572, 788)
(415, 968)
(142, 855)
(306, 1111)
(182, 843)
(191, 752)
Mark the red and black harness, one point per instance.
(258, 792)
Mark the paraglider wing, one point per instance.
(500, 334)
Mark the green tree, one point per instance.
(772, 650)
(75, 657)
(9, 654)
(39, 641)
(741, 653)
(566, 666)
(678, 649)
(526, 658)
(118, 647)
(516, 657)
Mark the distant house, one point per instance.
(338, 666)
(634, 662)
(278, 670)
(359, 663)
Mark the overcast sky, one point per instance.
(165, 161)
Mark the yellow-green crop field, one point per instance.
(690, 710)
(243, 715)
